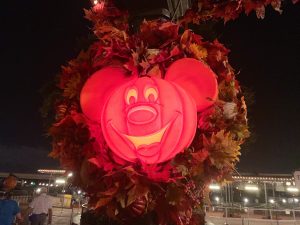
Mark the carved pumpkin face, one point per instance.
(149, 119)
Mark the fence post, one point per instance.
(72, 212)
(294, 215)
(226, 215)
(248, 215)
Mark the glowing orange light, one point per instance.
(98, 5)
(146, 118)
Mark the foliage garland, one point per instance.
(173, 193)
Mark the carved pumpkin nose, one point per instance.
(141, 114)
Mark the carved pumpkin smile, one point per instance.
(145, 140)
(149, 139)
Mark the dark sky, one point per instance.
(37, 37)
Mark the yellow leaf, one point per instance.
(223, 150)
(198, 51)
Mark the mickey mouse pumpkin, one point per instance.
(147, 118)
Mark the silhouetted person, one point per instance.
(9, 210)
(41, 208)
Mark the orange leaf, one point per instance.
(155, 72)
(103, 202)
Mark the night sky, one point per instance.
(37, 37)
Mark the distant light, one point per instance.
(283, 200)
(51, 171)
(56, 185)
(63, 191)
(95, 2)
(25, 182)
(272, 201)
(70, 174)
(246, 200)
(79, 192)
(60, 181)
(292, 189)
(251, 188)
(214, 187)
(38, 190)
(47, 185)
(217, 199)
(40, 184)
(288, 183)
(43, 184)
(296, 200)
(51, 185)
(32, 183)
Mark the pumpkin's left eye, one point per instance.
(151, 94)
(132, 96)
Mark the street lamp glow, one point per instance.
(214, 187)
(251, 188)
(272, 201)
(246, 200)
(51, 171)
(60, 181)
(292, 189)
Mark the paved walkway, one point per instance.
(63, 217)
(240, 221)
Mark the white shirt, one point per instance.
(41, 204)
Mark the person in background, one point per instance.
(41, 207)
(9, 210)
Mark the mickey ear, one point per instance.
(197, 79)
(98, 88)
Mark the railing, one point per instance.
(251, 216)
(23, 199)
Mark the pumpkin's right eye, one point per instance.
(151, 94)
(131, 96)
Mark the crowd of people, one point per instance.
(39, 210)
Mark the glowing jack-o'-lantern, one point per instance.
(147, 118)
